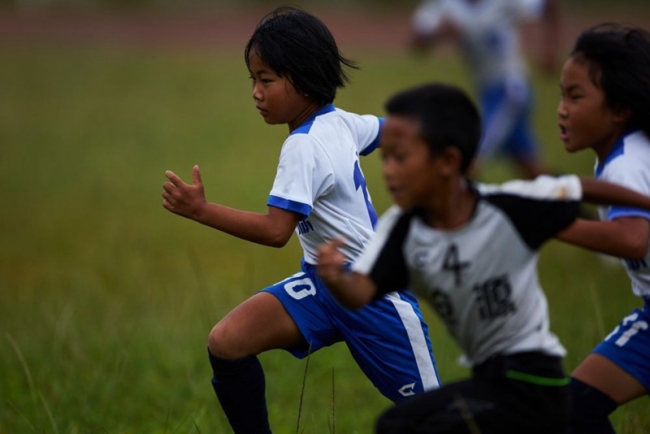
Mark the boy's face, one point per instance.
(276, 98)
(584, 118)
(409, 169)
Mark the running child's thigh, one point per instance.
(390, 342)
(308, 306)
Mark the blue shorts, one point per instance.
(628, 346)
(507, 128)
(388, 338)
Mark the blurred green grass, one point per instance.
(107, 299)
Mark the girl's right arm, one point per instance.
(273, 229)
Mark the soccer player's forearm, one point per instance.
(353, 290)
(616, 238)
(606, 193)
(249, 226)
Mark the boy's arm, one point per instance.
(626, 237)
(273, 229)
(353, 290)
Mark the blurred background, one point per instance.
(106, 299)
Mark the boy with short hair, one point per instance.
(471, 250)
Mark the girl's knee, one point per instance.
(223, 344)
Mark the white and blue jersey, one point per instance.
(319, 177)
(491, 47)
(628, 345)
(628, 164)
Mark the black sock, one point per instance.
(590, 409)
(239, 385)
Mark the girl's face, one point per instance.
(276, 98)
(584, 118)
(409, 170)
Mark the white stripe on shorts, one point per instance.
(418, 341)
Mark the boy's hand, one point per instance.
(181, 198)
(331, 262)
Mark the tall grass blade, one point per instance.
(595, 301)
(302, 390)
(24, 416)
(466, 414)
(333, 403)
(23, 363)
(50, 416)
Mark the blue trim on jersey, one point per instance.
(375, 143)
(304, 127)
(617, 150)
(623, 211)
(289, 205)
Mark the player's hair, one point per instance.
(447, 117)
(300, 47)
(618, 60)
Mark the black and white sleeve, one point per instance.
(540, 208)
(383, 259)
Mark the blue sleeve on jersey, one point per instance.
(289, 205)
(375, 143)
(623, 211)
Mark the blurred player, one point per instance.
(605, 106)
(488, 34)
(319, 192)
(471, 250)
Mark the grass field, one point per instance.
(107, 299)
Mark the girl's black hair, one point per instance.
(298, 46)
(618, 58)
(447, 117)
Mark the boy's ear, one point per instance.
(451, 161)
(622, 114)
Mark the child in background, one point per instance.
(488, 34)
(471, 250)
(319, 192)
(605, 106)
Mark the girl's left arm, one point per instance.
(607, 193)
(625, 237)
